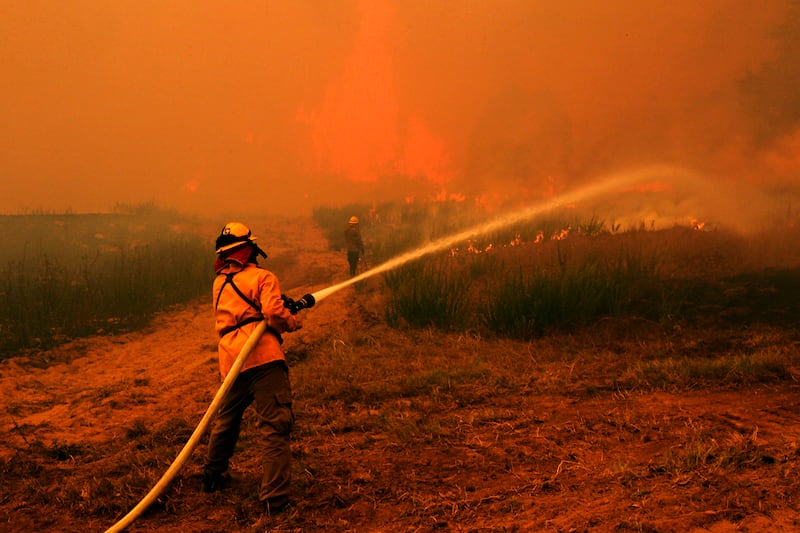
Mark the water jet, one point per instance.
(597, 188)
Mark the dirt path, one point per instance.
(149, 371)
(92, 392)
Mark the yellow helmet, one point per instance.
(354, 220)
(235, 234)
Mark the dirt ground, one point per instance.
(513, 444)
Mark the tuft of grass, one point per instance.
(727, 369)
(568, 292)
(64, 451)
(703, 451)
(137, 429)
(428, 293)
(593, 226)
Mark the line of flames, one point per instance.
(540, 238)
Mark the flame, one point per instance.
(474, 248)
(425, 154)
(561, 235)
(372, 215)
(444, 196)
(697, 225)
(357, 132)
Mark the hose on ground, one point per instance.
(194, 440)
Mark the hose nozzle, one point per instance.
(295, 306)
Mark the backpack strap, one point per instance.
(255, 305)
(229, 281)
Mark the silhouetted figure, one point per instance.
(354, 244)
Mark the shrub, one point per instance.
(116, 285)
(567, 292)
(428, 293)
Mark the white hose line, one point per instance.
(194, 440)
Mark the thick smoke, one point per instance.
(280, 107)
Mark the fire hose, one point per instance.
(310, 299)
(294, 307)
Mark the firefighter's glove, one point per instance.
(288, 303)
(295, 306)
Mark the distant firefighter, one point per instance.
(354, 244)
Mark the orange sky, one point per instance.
(225, 107)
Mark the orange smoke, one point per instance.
(317, 103)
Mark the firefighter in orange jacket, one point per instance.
(245, 294)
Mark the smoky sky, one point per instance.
(280, 107)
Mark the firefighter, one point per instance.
(354, 244)
(243, 295)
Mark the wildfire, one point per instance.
(697, 225)
(373, 216)
(358, 130)
(474, 248)
(540, 238)
(561, 235)
(444, 196)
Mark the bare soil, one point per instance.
(405, 430)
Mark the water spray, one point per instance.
(596, 189)
(309, 300)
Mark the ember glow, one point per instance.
(208, 107)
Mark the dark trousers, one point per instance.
(352, 258)
(267, 388)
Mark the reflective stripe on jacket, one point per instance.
(262, 288)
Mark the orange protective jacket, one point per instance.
(261, 287)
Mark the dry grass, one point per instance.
(624, 424)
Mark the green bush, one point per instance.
(428, 293)
(567, 293)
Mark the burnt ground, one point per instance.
(419, 430)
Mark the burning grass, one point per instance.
(511, 283)
(530, 290)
